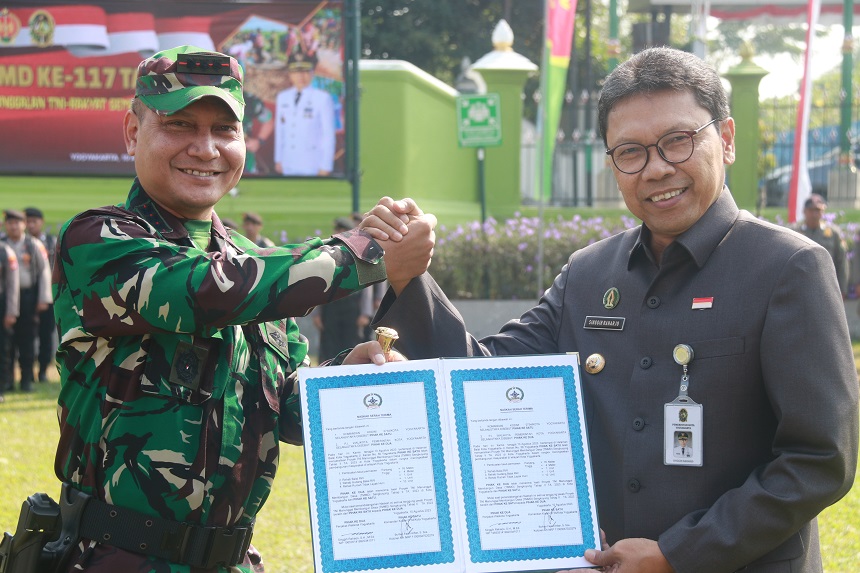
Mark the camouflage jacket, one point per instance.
(176, 363)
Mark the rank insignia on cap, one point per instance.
(611, 298)
(703, 303)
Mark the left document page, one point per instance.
(377, 456)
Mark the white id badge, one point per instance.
(682, 439)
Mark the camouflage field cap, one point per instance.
(172, 79)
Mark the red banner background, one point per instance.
(62, 103)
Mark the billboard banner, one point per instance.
(68, 70)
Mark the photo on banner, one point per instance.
(67, 76)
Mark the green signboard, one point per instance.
(479, 120)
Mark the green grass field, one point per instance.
(299, 208)
(299, 211)
(28, 426)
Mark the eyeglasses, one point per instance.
(673, 147)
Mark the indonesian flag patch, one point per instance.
(703, 303)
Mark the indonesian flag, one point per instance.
(127, 32)
(801, 188)
(188, 30)
(560, 15)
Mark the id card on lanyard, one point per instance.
(682, 420)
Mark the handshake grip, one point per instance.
(45, 535)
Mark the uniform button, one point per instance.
(634, 485)
(645, 362)
(638, 424)
(653, 301)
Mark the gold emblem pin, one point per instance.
(611, 298)
(594, 363)
(386, 337)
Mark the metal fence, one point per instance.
(582, 176)
(823, 152)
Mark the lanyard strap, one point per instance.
(685, 384)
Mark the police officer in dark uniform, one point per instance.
(47, 327)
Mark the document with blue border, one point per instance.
(454, 465)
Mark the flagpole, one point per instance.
(847, 79)
(800, 186)
(541, 128)
(559, 18)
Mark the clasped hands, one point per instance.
(407, 236)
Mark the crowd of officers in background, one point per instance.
(28, 333)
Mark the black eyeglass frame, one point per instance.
(691, 133)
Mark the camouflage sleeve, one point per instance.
(121, 278)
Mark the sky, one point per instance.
(786, 72)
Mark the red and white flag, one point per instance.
(801, 188)
(126, 32)
(186, 30)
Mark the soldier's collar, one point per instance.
(165, 223)
(218, 227)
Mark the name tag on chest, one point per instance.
(604, 323)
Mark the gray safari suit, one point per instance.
(773, 369)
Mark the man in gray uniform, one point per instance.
(9, 293)
(750, 311)
(827, 234)
(47, 330)
(35, 293)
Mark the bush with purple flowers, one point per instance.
(499, 260)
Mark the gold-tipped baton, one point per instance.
(386, 337)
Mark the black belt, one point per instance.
(177, 542)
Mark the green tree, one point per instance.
(766, 39)
(435, 35)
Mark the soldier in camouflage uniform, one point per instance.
(177, 353)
